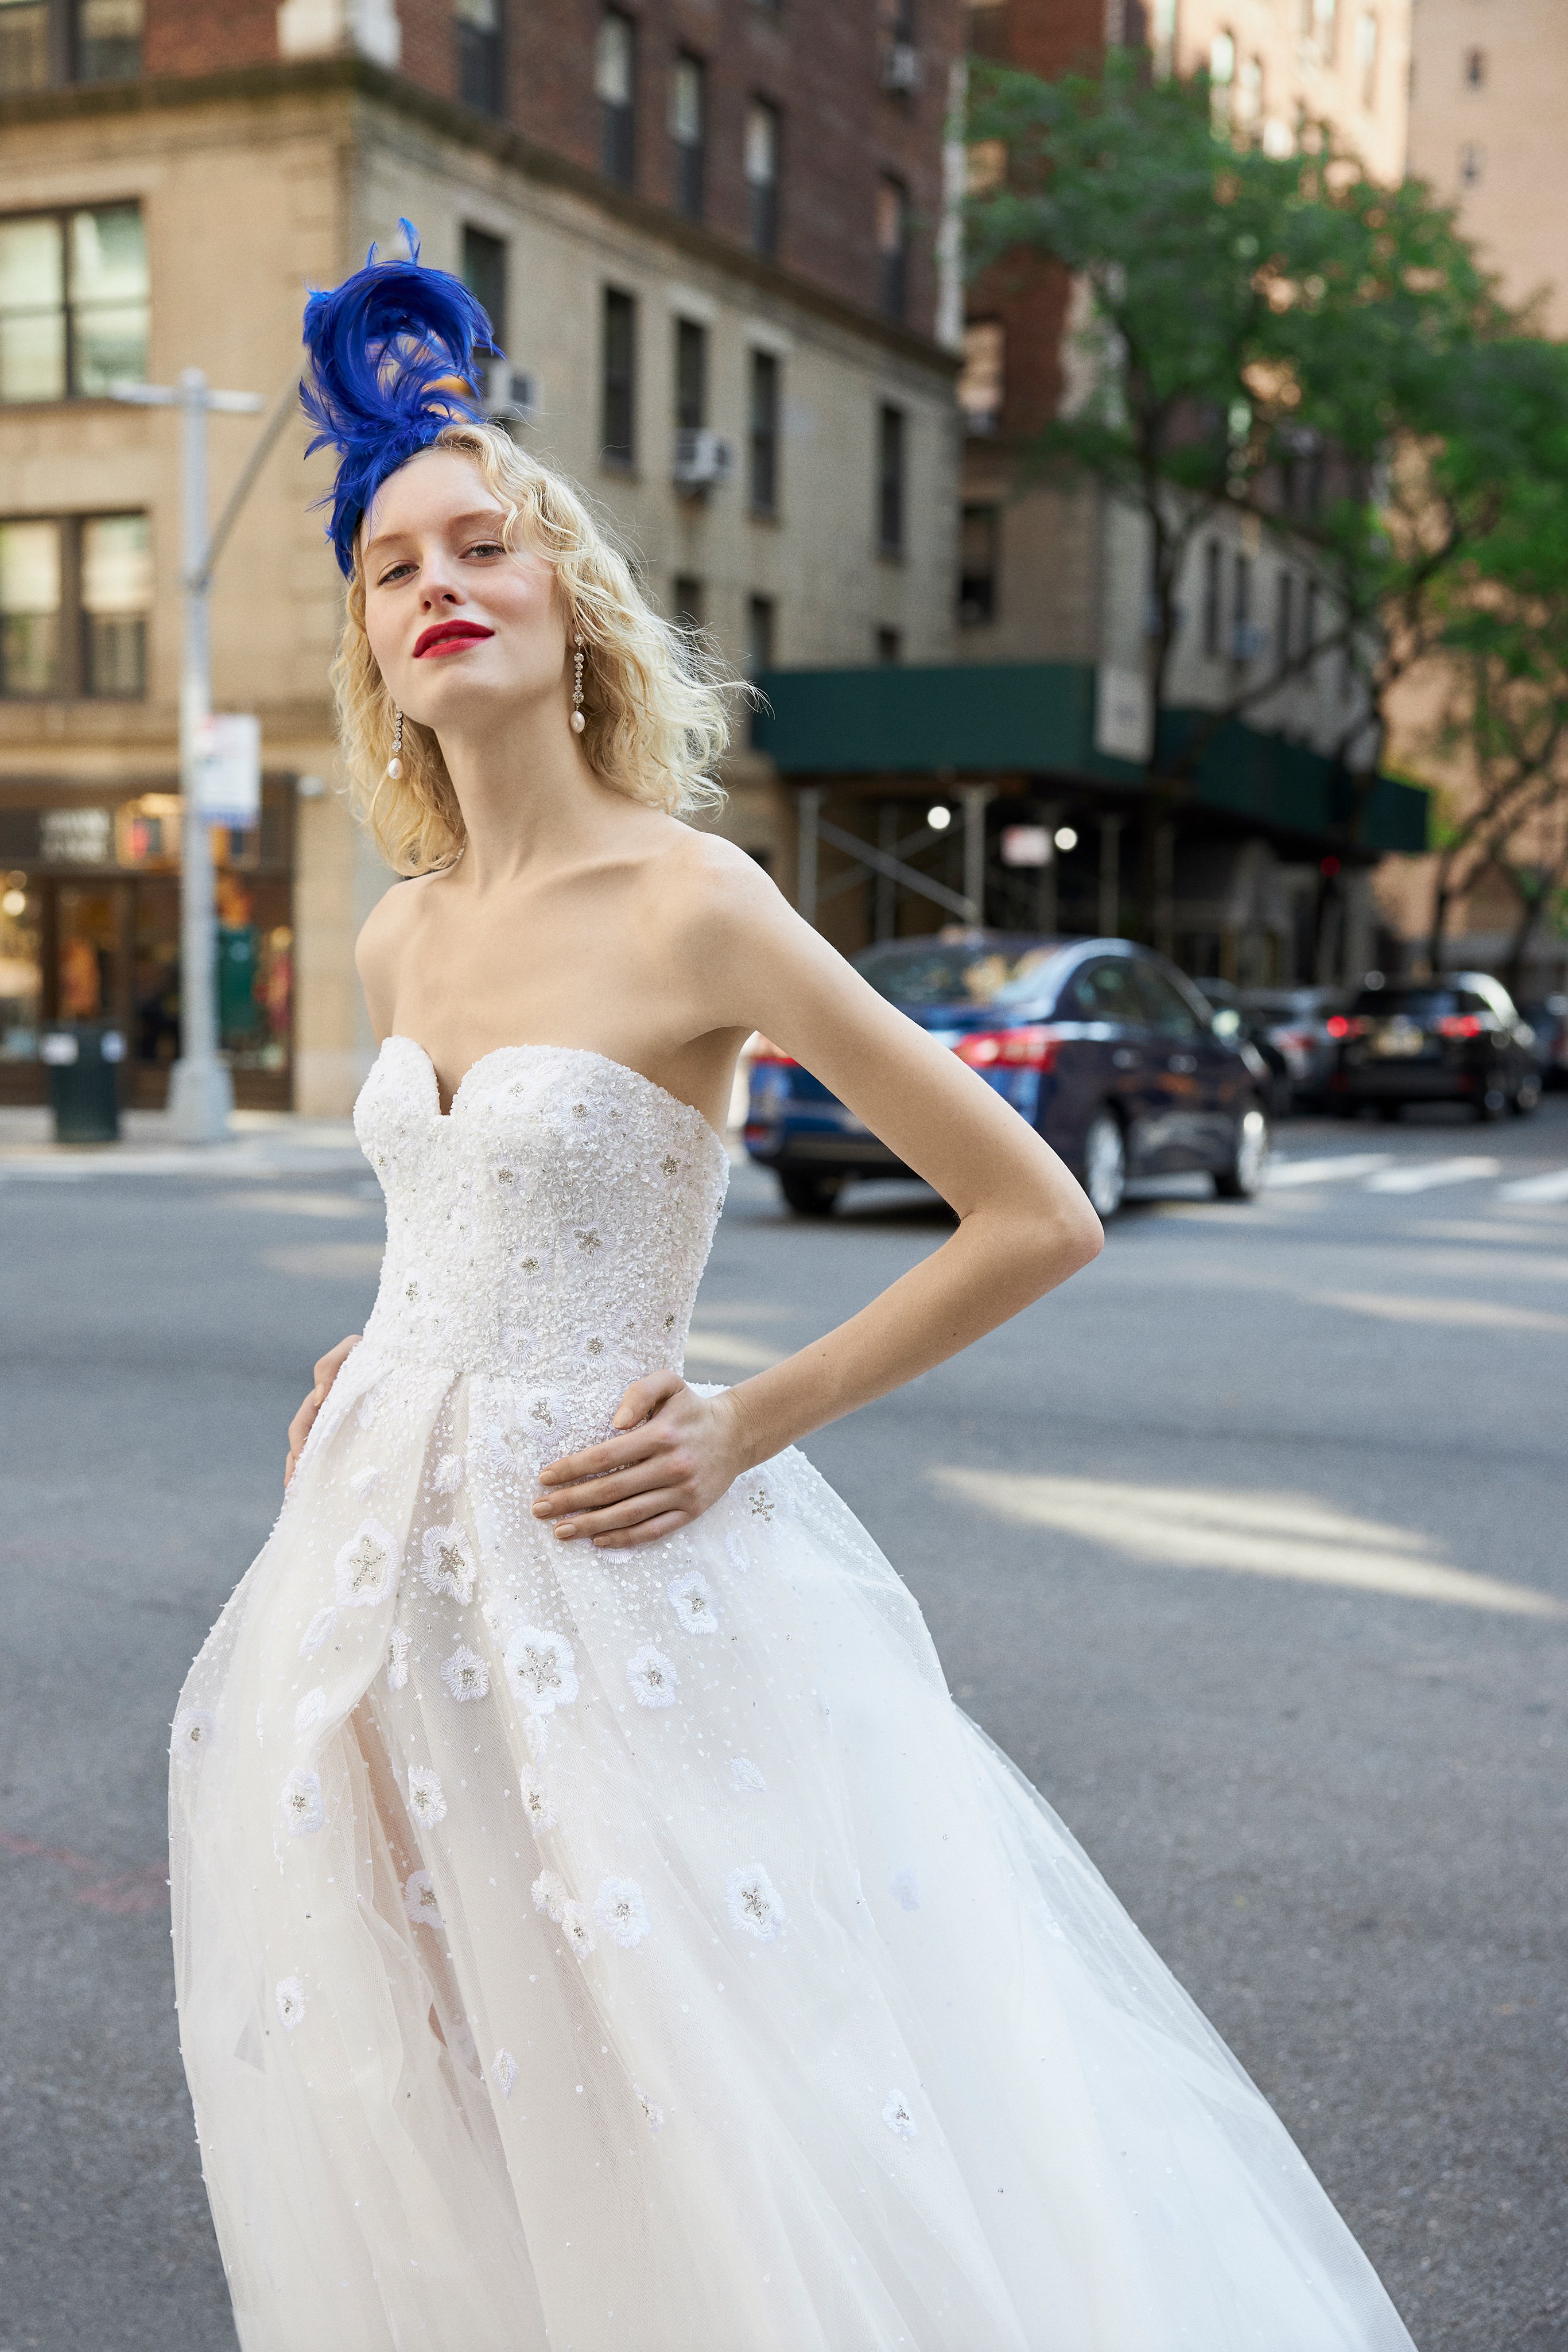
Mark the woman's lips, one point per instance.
(447, 637)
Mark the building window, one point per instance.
(1212, 598)
(759, 625)
(1221, 79)
(51, 41)
(1366, 59)
(484, 275)
(762, 173)
(1476, 68)
(478, 30)
(74, 597)
(890, 646)
(1472, 163)
(615, 81)
(691, 602)
(1242, 645)
(762, 447)
(73, 302)
(1284, 619)
(979, 551)
(690, 375)
(983, 379)
(687, 129)
(891, 434)
(617, 430)
(893, 245)
(1309, 628)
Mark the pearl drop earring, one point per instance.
(578, 721)
(394, 765)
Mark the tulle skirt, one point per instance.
(640, 1951)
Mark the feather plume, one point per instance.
(393, 360)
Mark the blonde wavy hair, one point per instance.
(655, 698)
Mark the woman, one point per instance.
(596, 1925)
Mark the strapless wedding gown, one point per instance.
(588, 1951)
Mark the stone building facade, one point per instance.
(711, 233)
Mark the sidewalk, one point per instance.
(263, 1143)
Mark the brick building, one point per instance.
(709, 231)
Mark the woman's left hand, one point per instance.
(678, 1455)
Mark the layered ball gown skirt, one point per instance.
(583, 1949)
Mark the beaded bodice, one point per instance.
(552, 1227)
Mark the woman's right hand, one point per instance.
(327, 1370)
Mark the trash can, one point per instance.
(83, 1059)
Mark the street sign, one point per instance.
(228, 767)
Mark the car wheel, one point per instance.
(1243, 1179)
(810, 1196)
(1105, 1164)
(1391, 1113)
(1526, 1095)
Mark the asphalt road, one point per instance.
(1249, 1546)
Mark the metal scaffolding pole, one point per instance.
(805, 863)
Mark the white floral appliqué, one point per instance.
(194, 1732)
(550, 1894)
(397, 1658)
(465, 1674)
(745, 1776)
(300, 1798)
(317, 1630)
(537, 1805)
(653, 1679)
(361, 1484)
(650, 2108)
(362, 1572)
(289, 1995)
(427, 1801)
(691, 1598)
(620, 1912)
(309, 1711)
(503, 2069)
(754, 1903)
(449, 1474)
(899, 2116)
(542, 1669)
(576, 1929)
(419, 1900)
(447, 1565)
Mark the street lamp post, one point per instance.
(201, 1093)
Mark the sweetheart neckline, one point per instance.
(583, 1053)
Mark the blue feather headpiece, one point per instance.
(393, 362)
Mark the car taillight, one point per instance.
(1033, 1047)
(764, 1050)
(1459, 1024)
(1339, 1025)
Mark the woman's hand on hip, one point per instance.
(678, 1453)
(326, 1372)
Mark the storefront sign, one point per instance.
(228, 768)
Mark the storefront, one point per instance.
(90, 930)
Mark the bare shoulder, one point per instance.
(383, 935)
(704, 888)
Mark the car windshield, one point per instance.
(1415, 1004)
(955, 971)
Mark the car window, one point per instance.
(958, 971)
(1167, 1010)
(1422, 1003)
(1104, 992)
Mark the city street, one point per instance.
(1248, 1546)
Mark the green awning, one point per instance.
(1036, 720)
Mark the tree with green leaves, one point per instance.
(1245, 310)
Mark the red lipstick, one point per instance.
(446, 636)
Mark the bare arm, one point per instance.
(1024, 1225)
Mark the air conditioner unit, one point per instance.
(702, 457)
(511, 396)
(901, 68)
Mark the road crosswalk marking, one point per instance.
(1463, 1313)
(1423, 1175)
(1338, 1168)
(1552, 1186)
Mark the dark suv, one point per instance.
(1103, 1047)
(1457, 1039)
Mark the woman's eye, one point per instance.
(390, 578)
(486, 547)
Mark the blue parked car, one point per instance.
(1105, 1048)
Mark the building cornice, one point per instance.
(355, 77)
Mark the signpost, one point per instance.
(218, 757)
